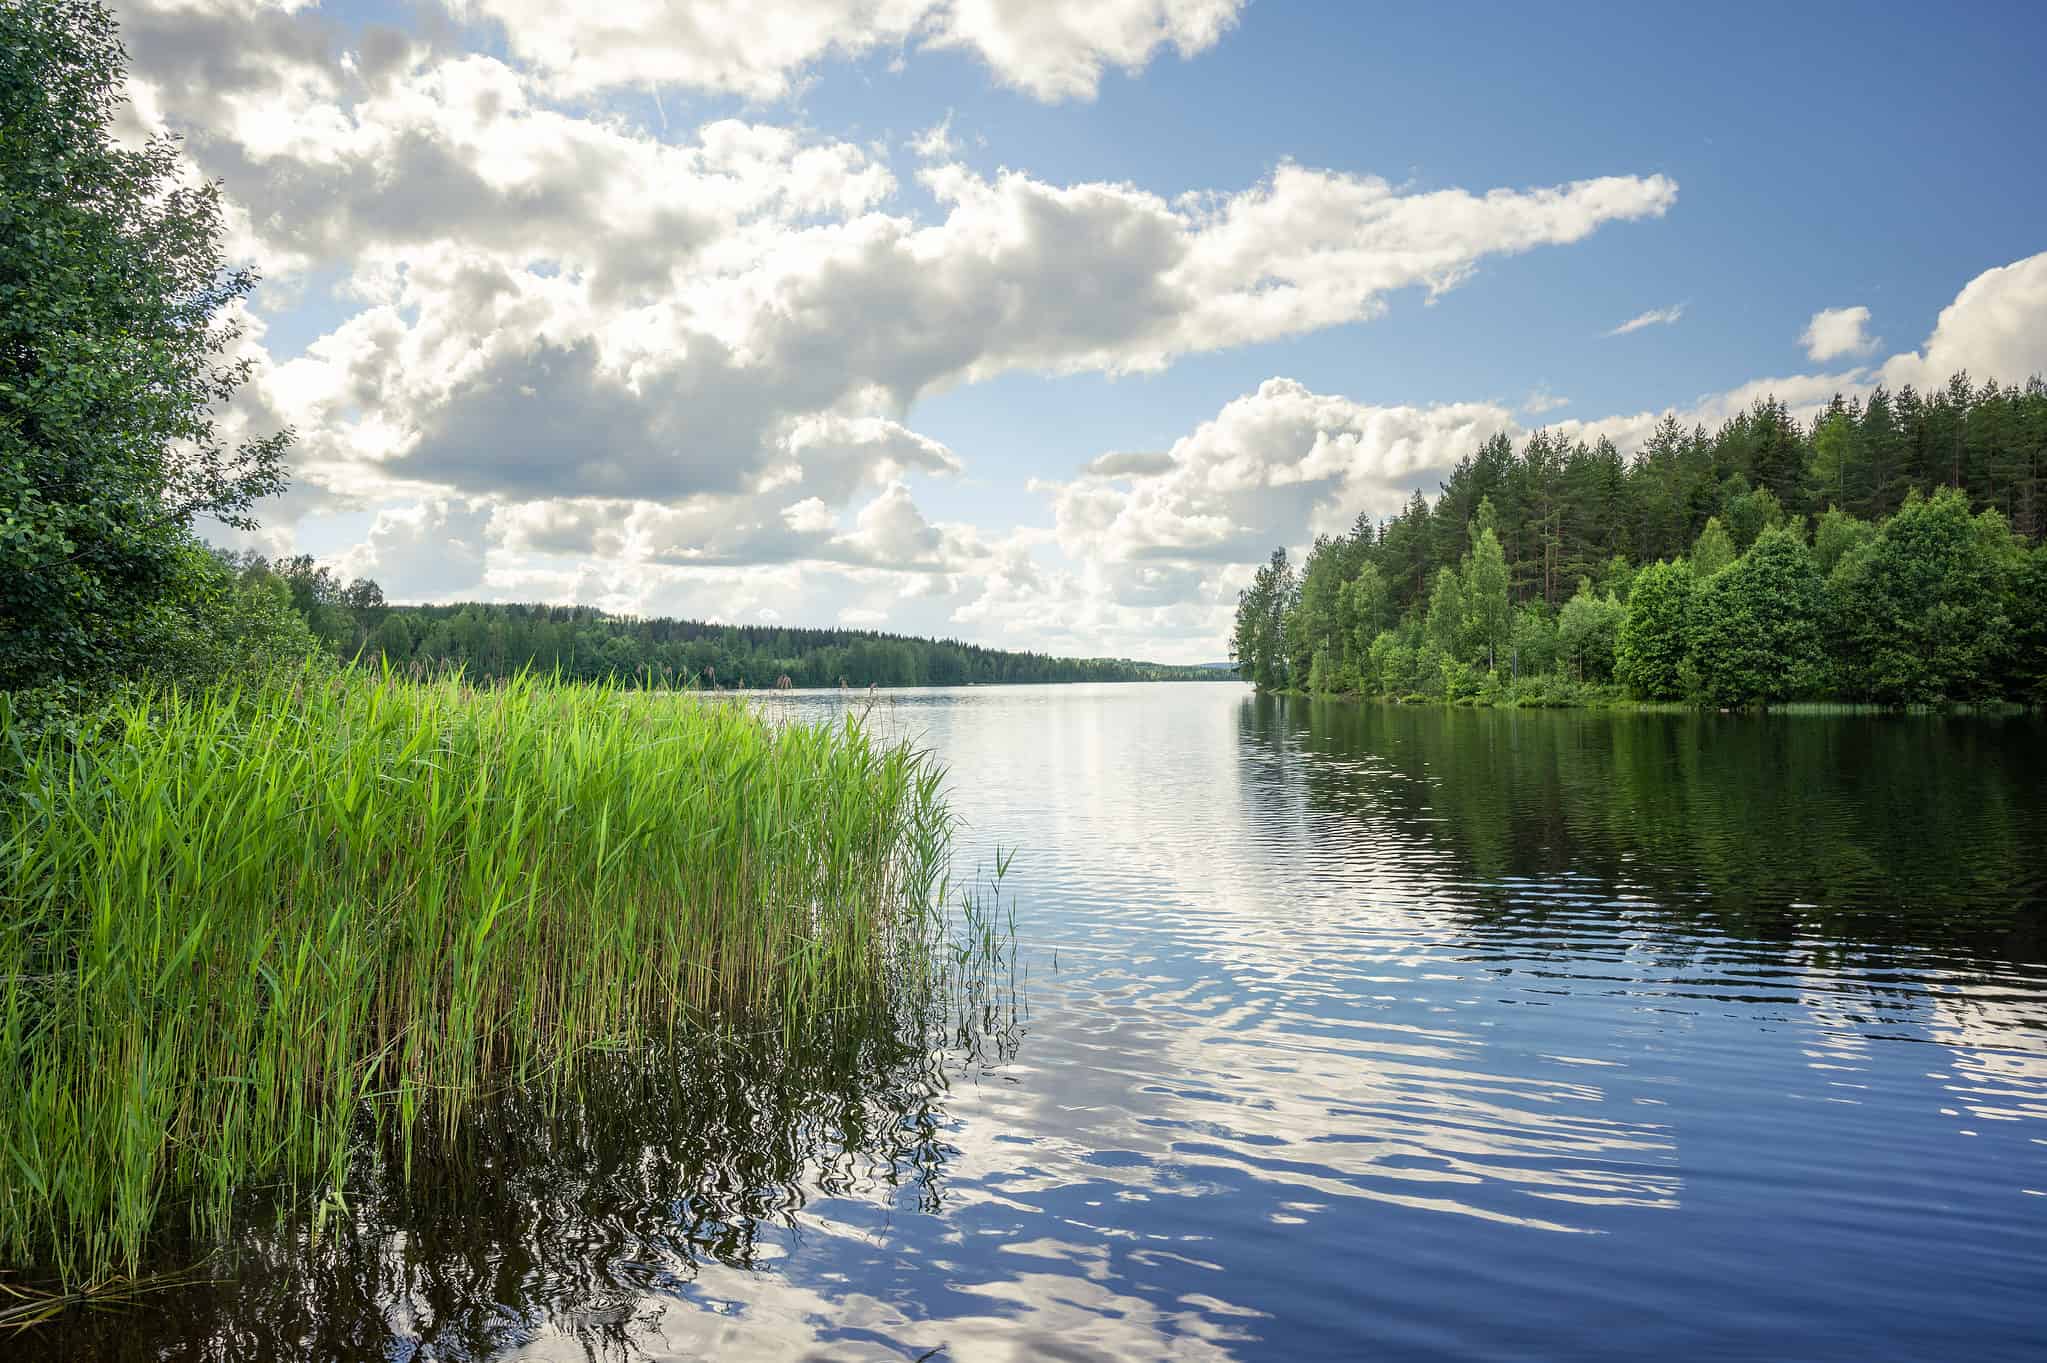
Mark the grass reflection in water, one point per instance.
(579, 1212)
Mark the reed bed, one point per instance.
(232, 924)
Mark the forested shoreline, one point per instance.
(491, 641)
(1888, 552)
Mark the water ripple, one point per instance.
(1346, 1032)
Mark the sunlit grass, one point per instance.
(231, 924)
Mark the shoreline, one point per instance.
(1629, 705)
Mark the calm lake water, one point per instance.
(1340, 1033)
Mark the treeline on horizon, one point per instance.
(493, 641)
(1887, 552)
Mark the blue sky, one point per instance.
(797, 408)
(1825, 154)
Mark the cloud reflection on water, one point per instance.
(1343, 1027)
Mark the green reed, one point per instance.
(232, 923)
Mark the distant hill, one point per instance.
(493, 640)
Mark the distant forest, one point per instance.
(490, 641)
(1888, 551)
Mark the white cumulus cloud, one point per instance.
(1995, 328)
(565, 357)
(1834, 332)
(709, 331)
(763, 49)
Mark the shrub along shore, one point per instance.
(237, 923)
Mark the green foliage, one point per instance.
(490, 642)
(1444, 628)
(1588, 629)
(1315, 624)
(1322, 672)
(1429, 677)
(1258, 645)
(1649, 651)
(1390, 668)
(1363, 606)
(1482, 576)
(1713, 552)
(1755, 627)
(1535, 640)
(341, 616)
(1772, 454)
(1549, 691)
(1750, 513)
(1835, 535)
(117, 319)
(1922, 612)
(1488, 615)
(1617, 578)
(232, 922)
(1478, 576)
(1456, 682)
(1833, 465)
(220, 623)
(2028, 677)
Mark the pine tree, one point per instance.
(1778, 456)
(1882, 457)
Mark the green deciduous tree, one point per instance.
(117, 323)
(1488, 614)
(1835, 535)
(1535, 639)
(1587, 629)
(1364, 607)
(1713, 552)
(1654, 636)
(1316, 624)
(1444, 627)
(1922, 612)
(1755, 627)
(394, 639)
(222, 622)
(1388, 666)
(1750, 513)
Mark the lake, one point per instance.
(1336, 1032)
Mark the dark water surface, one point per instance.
(1344, 1033)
